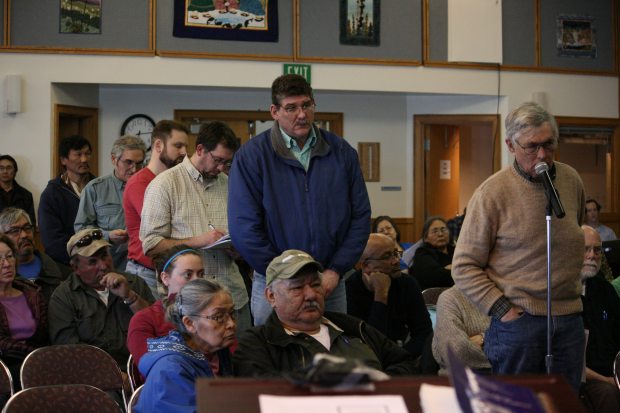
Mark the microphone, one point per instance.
(542, 170)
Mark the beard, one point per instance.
(589, 269)
(169, 162)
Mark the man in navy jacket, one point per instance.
(296, 186)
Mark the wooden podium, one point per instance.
(241, 395)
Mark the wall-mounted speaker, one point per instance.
(12, 94)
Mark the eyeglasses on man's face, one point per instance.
(128, 163)
(387, 256)
(219, 161)
(8, 168)
(13, 231)
(305, 107)
(533, 148)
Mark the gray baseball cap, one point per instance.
(288, 264)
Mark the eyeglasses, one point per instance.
(387, 256)
(18, 230)
(533, 148)
(219, 161)
(595, 250)
(218, 318)
(6, 168)
(8, 257)
(88, 239)
(437, 231)
(131, 164)
(306, 107)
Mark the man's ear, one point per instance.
(510, 145)
(273, 109)
(270, 296)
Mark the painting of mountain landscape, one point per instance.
(80, 16)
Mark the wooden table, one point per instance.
(241, 395)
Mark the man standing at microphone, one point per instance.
(500, 261)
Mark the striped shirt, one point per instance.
(179, 203)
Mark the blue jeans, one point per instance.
(147, 274)
(336, 301)
(520, 346)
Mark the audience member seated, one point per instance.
(386, 225)
(601, 315)
(298, 328)
(593, 210)
(23, 313)
(175, 268)
(432, 263)
(460, 326)
(60, 200)
(203, 315)
(94, 305)
(386, 299)
(32, 264)
(11, 193)
(101, 202)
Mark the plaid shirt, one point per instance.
(179, 203)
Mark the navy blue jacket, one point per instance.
(58, 207)
(275, 205)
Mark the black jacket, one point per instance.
(428, 267)
(18, 197)
(268, 351)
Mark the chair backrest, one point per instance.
(431, 295)
(72, 364)
(135, 378)
(134, 399)
(75, 398)
(6, 380)
(617, 370)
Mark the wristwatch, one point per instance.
(131, 298)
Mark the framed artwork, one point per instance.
(360, 22)
(80, 16)
(576, 36)
(246, 20)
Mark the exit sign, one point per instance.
(302, 70)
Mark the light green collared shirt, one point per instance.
(302, 155)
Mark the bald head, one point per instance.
(593, 253)
(376, 245)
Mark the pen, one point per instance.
(211, 227)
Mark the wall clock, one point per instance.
(139, 125)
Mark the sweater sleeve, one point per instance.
(451, 331)
(472, 252)
(395, 360)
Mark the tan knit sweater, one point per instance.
(502, 247)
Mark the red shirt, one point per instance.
(149, 322)
(133, 199)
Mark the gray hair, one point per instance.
(127, 142)
(527, 116)
(194, 297)
(11, 215)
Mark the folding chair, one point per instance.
(6, 384)
(135, 378)
(617, 370)
(431, 295)
(75, 398)
(134, 399)
(72, 364)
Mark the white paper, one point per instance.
(438, 399)
(332, 404)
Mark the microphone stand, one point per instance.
(549, 356)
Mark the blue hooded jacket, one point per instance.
(171, 369)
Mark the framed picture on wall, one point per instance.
(247, 20)
(80, 16)
(360, 22)
(576, 36)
